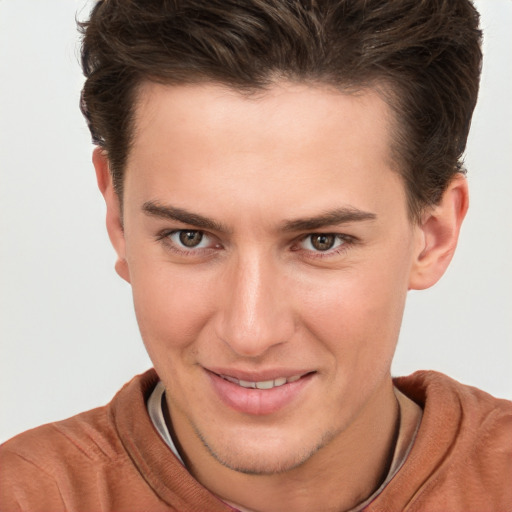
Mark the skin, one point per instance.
(257, 297)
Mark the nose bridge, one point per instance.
(255, 315)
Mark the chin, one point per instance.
(265, 454)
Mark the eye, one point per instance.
(190, 239)
(322, 242)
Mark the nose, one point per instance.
(254, 313)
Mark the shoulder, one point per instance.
(84, 435)
(34, 464)
(462, 456)
(45, 467)
(444, 396)
(464, 411)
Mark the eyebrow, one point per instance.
(333, 217)
(181, 215)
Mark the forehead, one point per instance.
(281, 143)
(283, 109)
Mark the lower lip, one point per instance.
(257, 401)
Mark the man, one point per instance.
(277, 176)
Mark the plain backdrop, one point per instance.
(68, 336)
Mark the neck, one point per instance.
(338, 476)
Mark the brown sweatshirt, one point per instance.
(112, 458)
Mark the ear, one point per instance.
(438, 235)
(114, 217)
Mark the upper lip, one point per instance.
(260, 375)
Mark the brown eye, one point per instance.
(322, 242)
(190, 238)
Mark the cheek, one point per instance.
(358, 312)
(171, 307)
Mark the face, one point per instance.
(269, 248)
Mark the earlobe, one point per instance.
(438, 235)
(114, 217)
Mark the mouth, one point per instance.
(262, 384)
(260, 393)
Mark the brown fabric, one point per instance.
(112, 459)
(106, 459)
(462, 457)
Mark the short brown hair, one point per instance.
(424, 56)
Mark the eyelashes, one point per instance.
(198, 243)
(189, 239)
(189, 242)
(322, 242)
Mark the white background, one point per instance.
(68, 336)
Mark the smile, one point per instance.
(262, 394)
(264, 384)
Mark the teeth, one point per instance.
(247, 384)
(265, 384)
